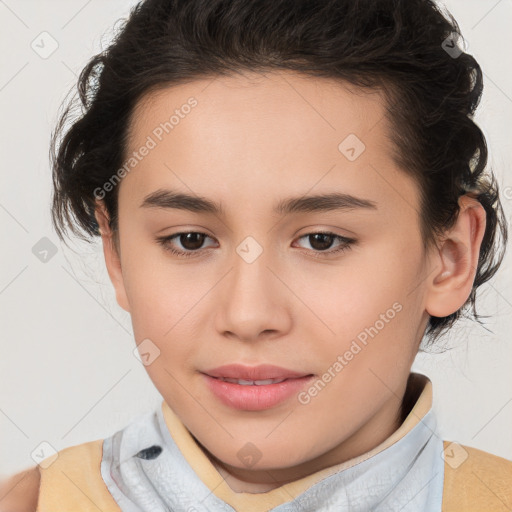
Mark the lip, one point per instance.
(254, 397)
(260, 372)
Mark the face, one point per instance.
(256, 282)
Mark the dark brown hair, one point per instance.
(405, 48)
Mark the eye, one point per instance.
(191, 242)
(321, 241)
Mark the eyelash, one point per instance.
(346, 243)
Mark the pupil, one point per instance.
(321, 236)
(192, 241)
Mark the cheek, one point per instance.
(154, 293)
(368, 303)
(167, 301)
(354, 294)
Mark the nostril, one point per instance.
(150, 453)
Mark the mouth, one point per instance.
(255, 394)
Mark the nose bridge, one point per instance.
(252, 301)
(251, 277)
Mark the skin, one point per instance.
(19, 493)
(252, 141)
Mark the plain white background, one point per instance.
(68, 373)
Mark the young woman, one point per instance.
(291, 196)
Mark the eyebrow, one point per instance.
(305, 204)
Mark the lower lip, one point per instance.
(252, 397)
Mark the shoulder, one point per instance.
(71, 480)
(475, 479)
(20, 492)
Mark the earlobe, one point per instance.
(456, 260)
(112, 256)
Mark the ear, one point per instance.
(112, 256)
(456, 260)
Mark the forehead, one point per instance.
(308, 108)
(265, 134)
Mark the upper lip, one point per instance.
(261, 372)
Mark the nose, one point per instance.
(254, 301)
